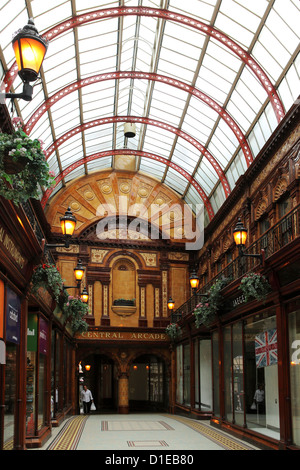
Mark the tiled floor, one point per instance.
(146, 432)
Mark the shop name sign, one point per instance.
(122, 335)
(10, 246)
(238, 301)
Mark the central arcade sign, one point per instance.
(122, 336)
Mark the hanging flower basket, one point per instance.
(75, 310)
(48, 277)
(173, 331)
(206, 311)
(255, 286)
(23, 166)
(12, 166)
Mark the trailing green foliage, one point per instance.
(254, 286)
(23, 166)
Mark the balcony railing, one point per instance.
(274, 239)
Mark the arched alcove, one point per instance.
(123, 283)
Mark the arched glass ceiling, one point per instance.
(205, 81)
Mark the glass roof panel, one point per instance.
(208, 92)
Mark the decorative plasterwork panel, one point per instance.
(113, 193)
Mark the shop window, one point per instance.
(233, 374)
(261, 376)
(216, 374)
(250, 375)
(183, 385)
(294, 342)
(228, 373)
(186, 375)
(12, 334)
(238, 373)
(203, 375)
(10, 393)
(179, 374)
(36, 391)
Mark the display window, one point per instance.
(294, 350)
(179, 374)
(183, 389)
(261, 376)
(12, 336)
(251, 397)
(56, 371)
(10, 381)
(203, 375)
(37, 348)
(216, 373)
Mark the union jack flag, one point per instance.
(266, 348)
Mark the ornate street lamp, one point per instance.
(78, 273)
(84, 296)
(67, 223)
(30, 49)
(171, 304)
(240, 237)
(194, 281)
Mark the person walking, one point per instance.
(87, 399)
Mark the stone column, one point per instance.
(123, 405)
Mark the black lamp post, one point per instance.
(30, 49)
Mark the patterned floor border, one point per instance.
(147, 444)
(219, 437)
(69, 436)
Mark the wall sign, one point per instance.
(8, 244)
(32, 337)
(122, 335)
(13, 316)
(43, 337)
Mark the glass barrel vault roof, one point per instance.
(205, 81)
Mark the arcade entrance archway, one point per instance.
(148, 384)
(139, 384)
(100, 374)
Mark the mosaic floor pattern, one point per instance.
(142, 433)
(135, 426)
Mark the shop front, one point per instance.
(243, 375)
(250, 374)
(37, 359)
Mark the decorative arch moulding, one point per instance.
(44, 107)
(144, 120)
(168, 16)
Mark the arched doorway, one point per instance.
(102, 379)
(148, 384)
